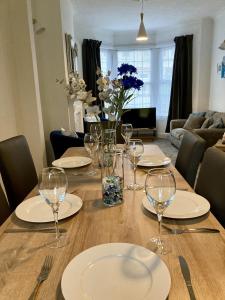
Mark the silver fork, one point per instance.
(45, 270)
(191, 230)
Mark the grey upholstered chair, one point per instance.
(211, 182)
(17, 169)
(4, 207)
(189, 156)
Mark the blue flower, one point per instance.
(126, 68)
(129, 82)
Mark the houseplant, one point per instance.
(117, 93)
(76, 91)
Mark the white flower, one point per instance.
(104, 95)
(86, 97)
(93, 110)
(81, 95)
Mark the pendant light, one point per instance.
(142, 35)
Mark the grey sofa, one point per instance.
(210, 135)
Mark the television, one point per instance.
(140, 117)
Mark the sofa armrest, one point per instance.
(211, 135)
(177, 123)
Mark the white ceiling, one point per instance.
(120, 15)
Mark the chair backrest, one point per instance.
(17, 169)
(4, 207)
(60, 143)
(189, 156)
(210, 182)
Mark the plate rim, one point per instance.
(18, 215)
(156, 164)
(126, 246)
(55, 162)
(199, 214)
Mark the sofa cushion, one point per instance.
(198, 114)
(209, 113)
(194, 122)
(208, 122)
(178, 133)
(219, 115)
(217, 123)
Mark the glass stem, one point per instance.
(159, 222)
(55, 213)
(135, 168)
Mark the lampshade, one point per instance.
(142, 34)
(222, 46)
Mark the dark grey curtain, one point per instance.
(91, 60)
(181, 89)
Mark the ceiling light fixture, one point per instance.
(222, 46)
(142, 34)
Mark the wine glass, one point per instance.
(52, 187)
(135, 151)
(91, 147)
(160, 188)
(96, 131)
(126, 132)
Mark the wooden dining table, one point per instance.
(22, 254)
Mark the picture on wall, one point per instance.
(223, 68)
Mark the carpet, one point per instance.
(167, 148)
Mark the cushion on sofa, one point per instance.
(208, 122)
(217, 123)
(198, 114)
(219, 115)
(209, 113)
(194, 122)
(178, 133)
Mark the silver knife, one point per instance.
(187, 277)
(45, 230)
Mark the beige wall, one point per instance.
(19, 95)
(51, 66)
(7, 75)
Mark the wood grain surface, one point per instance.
(22, 254)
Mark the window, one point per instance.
(154, 67)
(104, 61)
(165, 77)
(141, 59)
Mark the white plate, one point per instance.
(154, 161)
(185, 205)
(116, 271)
(72, 162)
(37, 210)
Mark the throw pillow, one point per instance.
(218, 123)
(198, 114)
(194, 122)
(208, 122)
(209, 113)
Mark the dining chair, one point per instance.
(4, 207)
(17, 169)
(189, 156)
(60, 143)
(210, 182)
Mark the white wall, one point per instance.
(217, 88)
(19, 97)
(7, 75)
(51, 66)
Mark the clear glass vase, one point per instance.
(112, 176)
